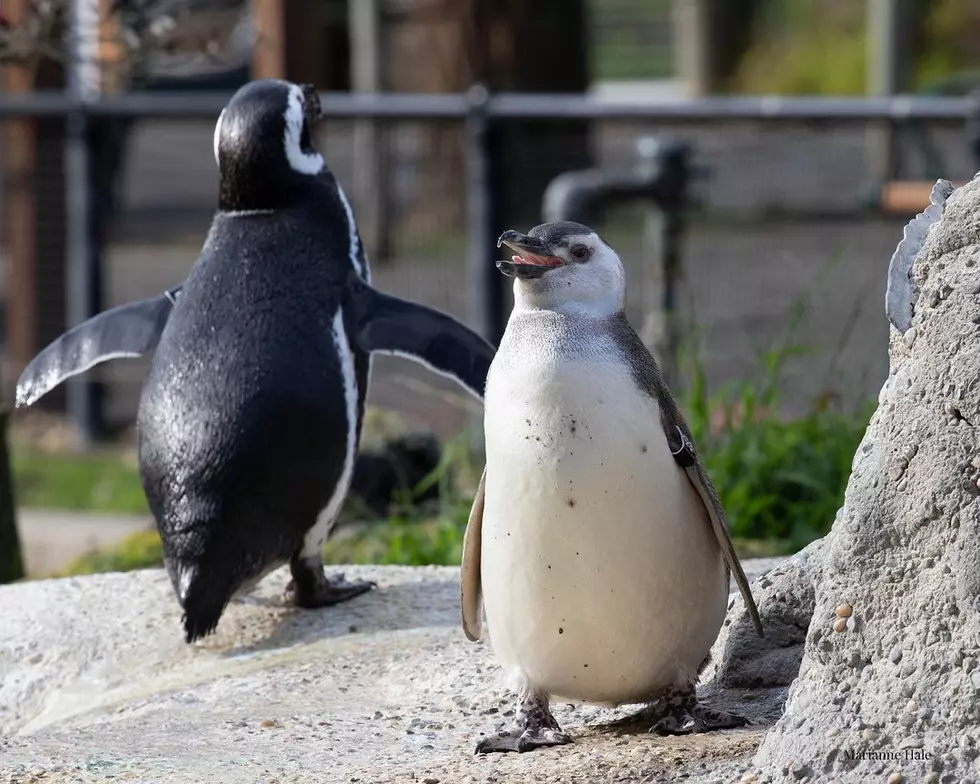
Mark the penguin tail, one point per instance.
(203, 600)
(199, 624)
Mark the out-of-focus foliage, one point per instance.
(820, 47)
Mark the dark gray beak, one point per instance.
(532, 258)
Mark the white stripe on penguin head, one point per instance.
(295, 117)
(217, 138)
(353, 241)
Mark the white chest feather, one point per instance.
(601, 578)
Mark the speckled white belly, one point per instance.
(602, 581)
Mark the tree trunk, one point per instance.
(34, 216)
(509, 45)
(11, 560)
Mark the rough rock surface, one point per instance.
(785, 600)
(889, 688)
(96, 684)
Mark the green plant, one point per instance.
(778, 479)
(141, 550)
(820, 47)
(103, 481)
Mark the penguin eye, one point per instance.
(580, 252)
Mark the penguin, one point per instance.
(250, 415)
(596, 544)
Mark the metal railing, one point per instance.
(480, 112)
(422, 106)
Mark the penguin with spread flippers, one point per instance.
(596, 544)
(250, 416)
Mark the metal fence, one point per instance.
(785, 214)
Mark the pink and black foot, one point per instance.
(678, 712)
(533, 728)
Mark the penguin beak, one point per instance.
(531, 260)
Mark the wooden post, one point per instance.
(269, 54)
(11, 558)
(710, 37)
(887, 74)
(112, 55)
(693, 46)
(370, 143)
(18, 224)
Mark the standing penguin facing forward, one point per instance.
(596, 543)
(250, 417)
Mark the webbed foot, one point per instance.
(311, 588)
(533, 728)
(678, 712)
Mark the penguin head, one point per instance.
(564, 266)
(263, 145)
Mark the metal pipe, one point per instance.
(81, 86)
(486, 292)
(409, 106)
(661, 180)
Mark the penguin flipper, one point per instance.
(389, 325)
(702, 484)
(129, 330)
(470, 580)
(900, 290)
(648, 377)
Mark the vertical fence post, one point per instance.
(887, 75)
(973, 127)
(665, 165)
(371, 153)
(486, 289)
(82, 257)
(11, 559)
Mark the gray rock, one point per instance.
(891, 687)
(900, 291)
(785, 600)
(96, 684)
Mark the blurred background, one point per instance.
(753, 161)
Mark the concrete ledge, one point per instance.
(96, 683)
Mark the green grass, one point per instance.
(104, 482)
(141, 550)
(820, 47)
(778, 479)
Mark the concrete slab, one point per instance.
(96, 684)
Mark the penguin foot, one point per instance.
(311, 588)
(520, 740)
(679, 713)
(534, 727)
